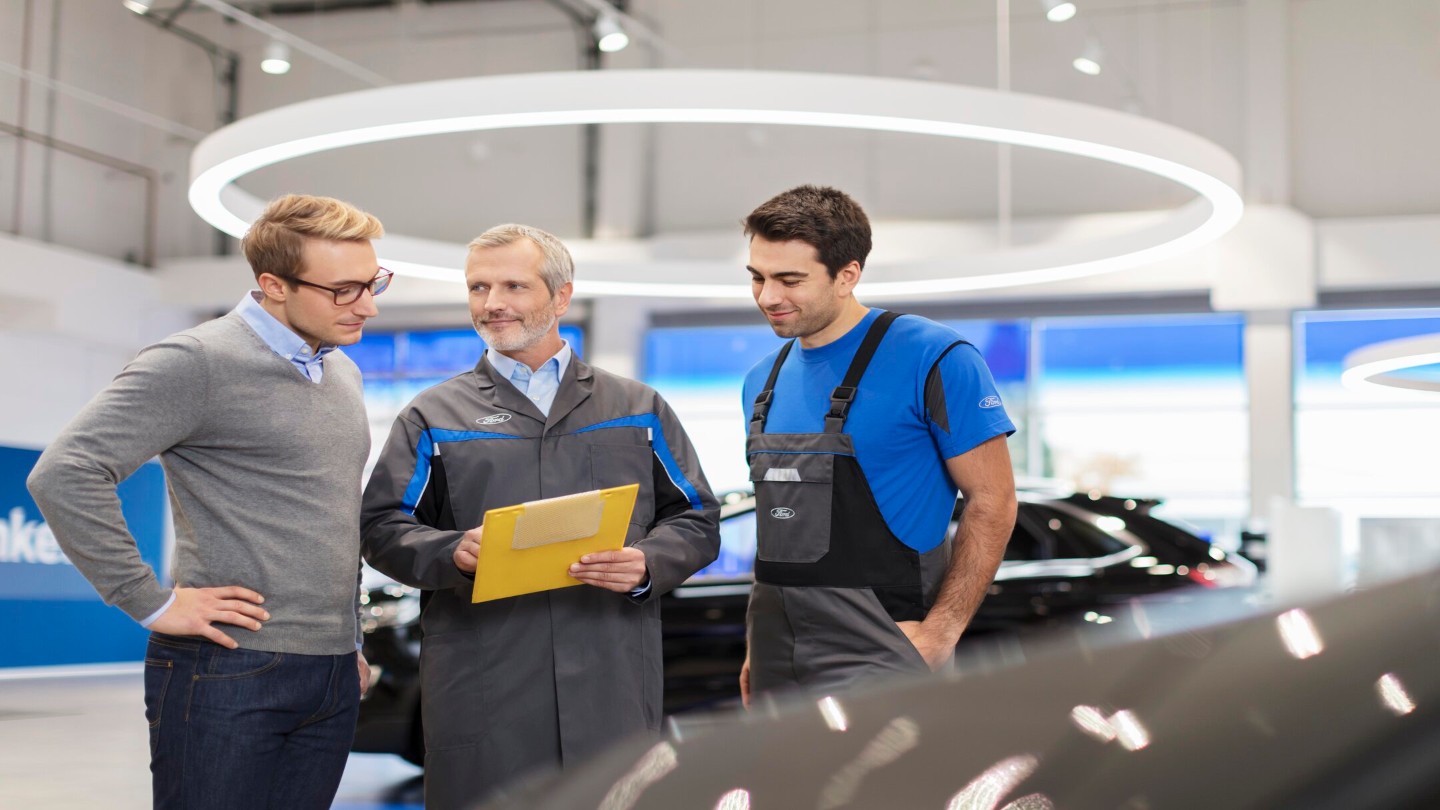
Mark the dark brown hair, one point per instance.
(825, 218)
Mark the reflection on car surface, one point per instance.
(1333, 706)
(1069, 559)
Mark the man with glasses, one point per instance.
(252, 675)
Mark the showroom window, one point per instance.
(1146, 406)
(1369, 454)
(699, 370)
(1369, 451)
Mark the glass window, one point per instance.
(1368, 451)
(1023, 546)
(1145, 406)
(1073, 536)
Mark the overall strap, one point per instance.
(844, 394)
(762, 400)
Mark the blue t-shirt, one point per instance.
(902, 432)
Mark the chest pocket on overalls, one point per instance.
(793, 493)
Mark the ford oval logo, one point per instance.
(493, 419)
(990, 402)
(782, 513)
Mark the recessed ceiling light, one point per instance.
(276, 60)
(1058, 10)
(609, 36)
(1090, 60)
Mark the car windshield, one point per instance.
(1074, 536)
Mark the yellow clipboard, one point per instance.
(530, 547)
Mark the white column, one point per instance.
(616, 335)
(1269, 378)
(1267, 101)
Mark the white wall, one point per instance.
(68, 323)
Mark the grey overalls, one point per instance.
(831, 580)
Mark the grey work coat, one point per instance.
(543, 680)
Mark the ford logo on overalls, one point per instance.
(782, 512)
(493, 419)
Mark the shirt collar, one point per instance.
(506, 366)
(279, 337)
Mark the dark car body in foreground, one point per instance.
(1066, 562)
(1334, 706)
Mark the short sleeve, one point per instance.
(962, 406)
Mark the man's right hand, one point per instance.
(196, 610)
(467, 554)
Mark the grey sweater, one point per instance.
(264, 470)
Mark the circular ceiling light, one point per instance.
(743, 97)
(1378, 364)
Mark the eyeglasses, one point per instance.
(347, 294)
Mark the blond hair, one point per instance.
(275, 242)
(558, 268)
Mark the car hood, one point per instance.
(1332, 705)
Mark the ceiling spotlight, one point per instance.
(137, 6)
(1088, 62)
(609, 36)
(276, 60)
(1058, 10)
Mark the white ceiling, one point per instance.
(1362, 103)
(1362, 98)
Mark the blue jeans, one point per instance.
(245, 728)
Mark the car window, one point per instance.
(1026, 544)
(1023, 545)
(1073, 536)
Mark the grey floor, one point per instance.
(74, 737)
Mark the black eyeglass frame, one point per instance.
(379, 284)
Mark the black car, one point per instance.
(1065, 562)
(1334, 706)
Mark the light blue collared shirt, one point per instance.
(283, 342)
(540, 385)
(281, 339)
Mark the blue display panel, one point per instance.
(704, 355)
(1323, 339)
(737, 550)
(1368, 452)
(437, 353)
(375, 353)
(50, 613)
(1005, 345)
(1160, 348)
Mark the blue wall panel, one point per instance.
(49, 613)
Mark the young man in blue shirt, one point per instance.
(861, 431)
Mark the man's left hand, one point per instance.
(364, 673)
(621, 571)
(935, 648)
